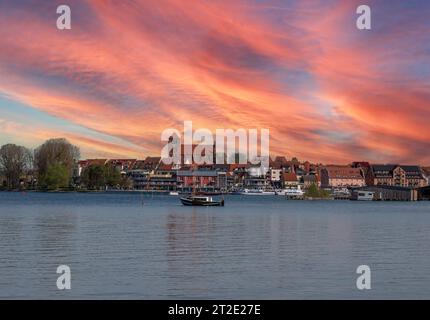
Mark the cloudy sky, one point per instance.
(127, 70)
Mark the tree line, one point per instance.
(53, 166)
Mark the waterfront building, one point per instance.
(256, 182)
(163, 178)
(289, 179)
(275, 175)
(341, 176)
(396, 175)
(256, 177)
(391, 193)
(161, 181)
(201, 179)
(139, 178)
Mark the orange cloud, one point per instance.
(129, 70)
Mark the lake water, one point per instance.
(256, 247)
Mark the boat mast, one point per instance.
(194, 180)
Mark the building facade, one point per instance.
(396, 175)
(339, 176)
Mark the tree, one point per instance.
(56, 176)
(55, 152)
(14, 162)
(94, 176)
(112, 176)
(98, 176)
(315, 192)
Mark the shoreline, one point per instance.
(166, 193)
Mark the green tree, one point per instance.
(15, 161)
(315, 192)
(94, 176)
(112, 176)
(56, 177)
(55, 153)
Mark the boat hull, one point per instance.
(197, 202)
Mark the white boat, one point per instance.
(291, 192)
(257, 192)
(363, 195)
(174, 193)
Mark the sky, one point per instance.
(127, 70)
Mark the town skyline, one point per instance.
(272, 157)
(328, 92)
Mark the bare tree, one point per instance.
(55, 152)
(14, 163)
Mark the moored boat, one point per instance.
(201, 201)
(291, 192)
(257, 192)
(363, 195)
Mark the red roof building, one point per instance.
(342, 176)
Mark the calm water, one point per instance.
(255, 247)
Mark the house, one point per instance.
(83, 164)
(278, 163)
(255, 182)
(161, 181)
(289, 179)
(396, 175)
(275, 175)
(140, 178)
(341, 176)
(200, 179)
(122, 165)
